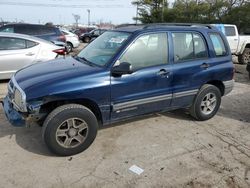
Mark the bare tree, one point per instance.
(77, 18)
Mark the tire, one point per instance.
(86, 39)
(244, 58)
(69, 47)
(203, 102)
(69, 129)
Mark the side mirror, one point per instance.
(123, 68)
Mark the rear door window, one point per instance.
(218, 44)
(188, 46)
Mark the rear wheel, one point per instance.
(206, 103)
(69, 129)
(69, 47)
(244, 58)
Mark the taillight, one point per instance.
(62, 38)
(60, 51)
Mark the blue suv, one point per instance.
(126, 72)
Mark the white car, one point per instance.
(72, 40)
(239, 44)
(18, 51)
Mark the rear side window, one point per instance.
(43, 30)
(188, 46)
(35, 30)
(218, 44)
(8, 43)
(30, 44)
(230, 31)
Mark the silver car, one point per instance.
(18, 51)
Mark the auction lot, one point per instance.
(173, 149)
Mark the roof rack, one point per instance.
(152, 25)
(178, 24)
(126, 25)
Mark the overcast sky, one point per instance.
(60, 11)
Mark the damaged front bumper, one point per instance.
(13, 116)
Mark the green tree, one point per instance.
(150, 11)
(195, 11)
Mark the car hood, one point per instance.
(46, 78)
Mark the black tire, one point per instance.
(86, 39)
(59, 118)
(197, 109)
(244, 58)
(69, 47)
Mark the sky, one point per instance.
(60, 11)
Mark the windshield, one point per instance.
(101, 50)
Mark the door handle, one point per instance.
(205, 65)
(163, 73)
(30, 54)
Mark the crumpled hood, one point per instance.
(46, 78)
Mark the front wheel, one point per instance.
(69, 129)
(206, 103)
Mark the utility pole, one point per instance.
(88, 17)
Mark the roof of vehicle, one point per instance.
(178, 26)
(27, 37)
(13, 24)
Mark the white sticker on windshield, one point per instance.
(116, 40)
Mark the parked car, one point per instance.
(72, 40)
(125, 72)
(49, 33)
(92, 35)
(18, 51)
(82, 30)
(239, 44)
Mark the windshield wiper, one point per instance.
(84, 60)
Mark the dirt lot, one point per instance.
(172, 148)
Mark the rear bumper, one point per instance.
(228, 86)
(14, 117)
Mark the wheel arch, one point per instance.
(70, 43)
(219, 84)
(247, 45)
(90, 104)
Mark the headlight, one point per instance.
(19, 97)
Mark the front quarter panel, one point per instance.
(95, 87)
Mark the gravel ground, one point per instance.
(173, 149)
